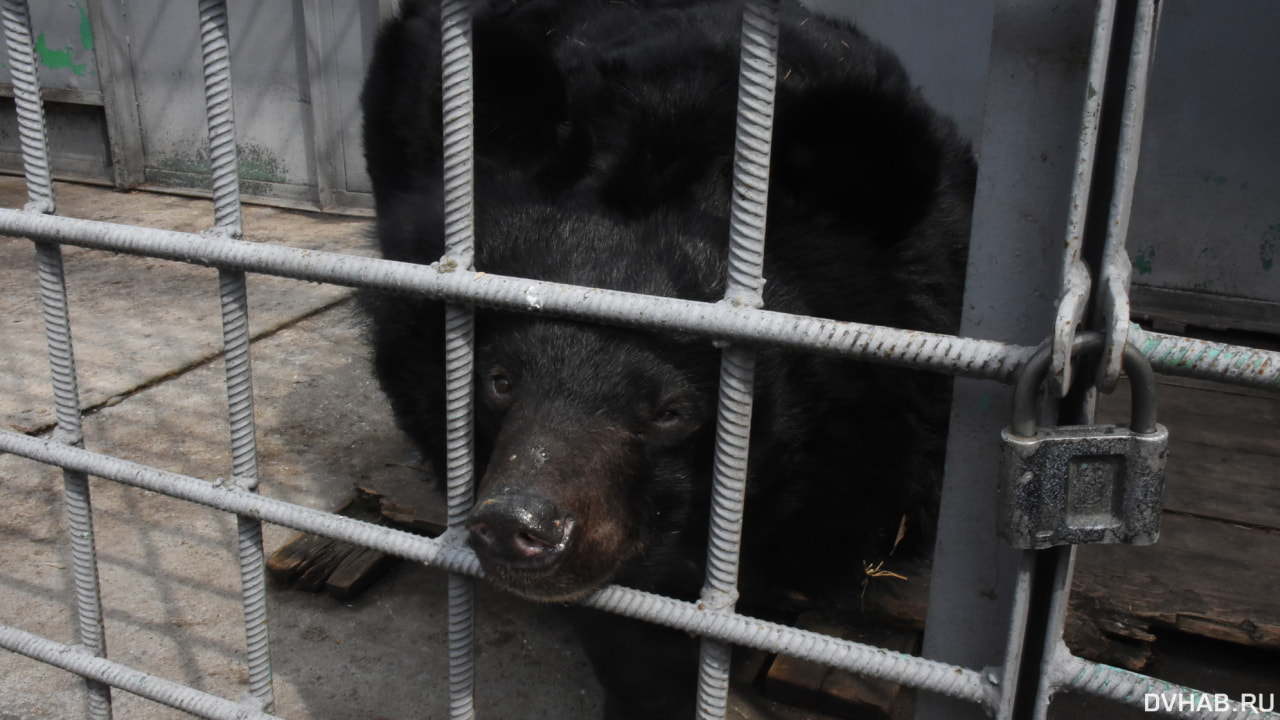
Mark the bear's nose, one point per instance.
(522, 530)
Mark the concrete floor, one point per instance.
(147, 335)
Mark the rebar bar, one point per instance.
(1221, 362)
(967, 357)
(215, 50)
(215, 47)
(454, 557)
(66, 396)
(1130, 688)
(757, 84)
(459, 242)
(32, 132)
(108, 673)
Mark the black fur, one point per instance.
(604, 150)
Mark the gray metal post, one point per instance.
(1033, 108)
(1111, 303)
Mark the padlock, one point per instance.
(1078, 484)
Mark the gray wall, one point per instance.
(944, 46)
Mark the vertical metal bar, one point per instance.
(1076, 281)
(1017, 634)
(26, 97)
(215, 47)
(459, 370)
(33, 135)
(215, 50)
(1064, 568)
(459, 239)
(1112, 302)
(57, 325)
(757, 85)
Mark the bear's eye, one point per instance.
(668, 415)
(500, 383)
(673, 421)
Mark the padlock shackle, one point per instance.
(1142, 384)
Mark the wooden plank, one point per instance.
(312, 563)
(1204, 577)
(306, 561)
(1206, 416)
(357, 572)
(814, 687)
(1233, 485)
(1224, 450)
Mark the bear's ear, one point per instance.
(868, 160)
(521, 105)
(853, 140)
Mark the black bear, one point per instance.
(604, 144)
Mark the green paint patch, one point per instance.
(57, 59)
(1142, 261)
(984, 402)
(1267, 251)
(86, 29)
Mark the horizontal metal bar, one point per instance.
(450, 553)
(1220, 362)
(1130, 688)
(76, 659)
(968, 357)
(727, 321)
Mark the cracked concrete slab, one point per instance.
(136, 320)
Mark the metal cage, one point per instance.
(738, 321)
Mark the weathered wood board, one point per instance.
(1215, 571)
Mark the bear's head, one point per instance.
(597, 442)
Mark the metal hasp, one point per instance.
(1078, 484)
